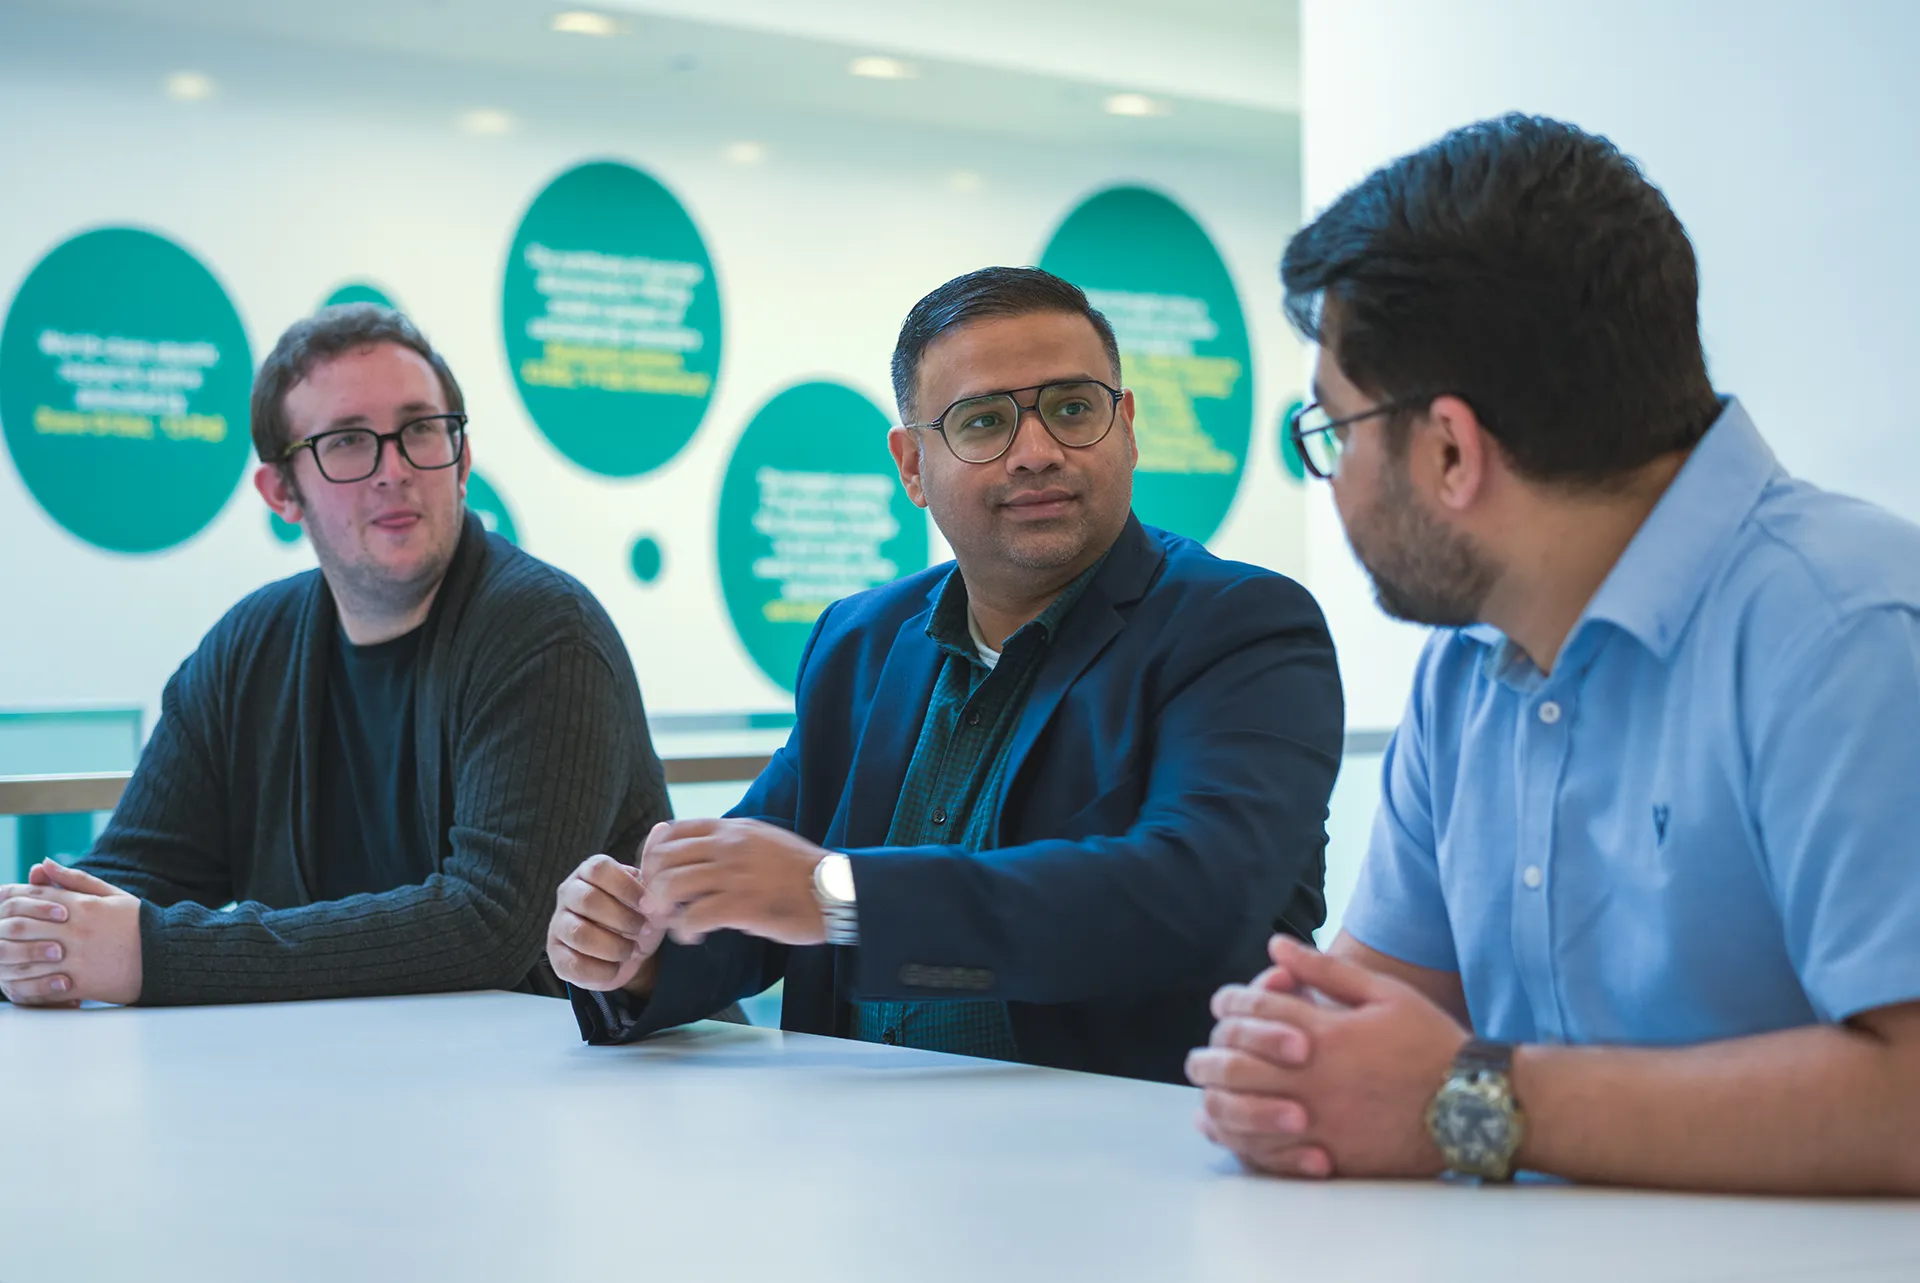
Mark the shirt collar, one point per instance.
(1661, 578)
(951, 628)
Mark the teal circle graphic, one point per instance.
(360, 292)
(124, 378)
(487, 504)
(647, 560)
(1150, 269)
(612, 319)
(1290, 457)
(811, 510)
(285, 531)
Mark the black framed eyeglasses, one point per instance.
(1077, 413)
(1321, 440)
(353, 454)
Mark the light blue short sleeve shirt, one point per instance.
(1705, 823)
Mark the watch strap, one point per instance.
(1484, 1056)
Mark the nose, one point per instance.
(394, 468)
(1032, 450)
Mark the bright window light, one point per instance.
(745, 153)
(486, 121)
(1134, 105)
(875, 67)
(189, 86)
(585, 22)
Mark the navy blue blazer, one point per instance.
(1163, 811)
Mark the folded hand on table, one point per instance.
(67, 936)
(695, 877)
(1295, 1086)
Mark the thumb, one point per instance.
(59, 875)
(644, 947)
(1345, 982)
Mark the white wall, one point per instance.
(311, 166)
(1782, 131)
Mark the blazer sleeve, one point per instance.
(1245, 745)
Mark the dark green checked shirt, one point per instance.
(952, 791)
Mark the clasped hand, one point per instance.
(695, 877)
(66, 936)
(1302, 1085)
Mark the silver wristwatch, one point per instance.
(833, 889)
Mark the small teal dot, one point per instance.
(647, 559)
(358, 292)
(284, 531)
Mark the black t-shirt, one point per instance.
(371, 832)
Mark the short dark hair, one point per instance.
(1529, 268)
(331, 332)
(990, 293)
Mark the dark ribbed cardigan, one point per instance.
(533, 754)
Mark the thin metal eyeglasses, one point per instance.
(1077, 413)
(1320, 441)
(346, 455)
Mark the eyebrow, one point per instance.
(1025, 387)
(411, 410)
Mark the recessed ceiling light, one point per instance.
(966, 180)
(486, 121)
(875, 67)
(1134, 105)
(189, 86)
(584, 22)
(745, 153)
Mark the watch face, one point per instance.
(1474, 1127)
(836, 878)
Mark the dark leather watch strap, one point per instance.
(1484, 1056)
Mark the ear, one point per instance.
(906, 457)
(1455, 451)
(277, 489)
(1125, 410)
(466, 465)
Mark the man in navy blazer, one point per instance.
(1038, 804)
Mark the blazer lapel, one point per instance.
(1092, 623)
(892, 728)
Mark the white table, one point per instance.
(471, 1137)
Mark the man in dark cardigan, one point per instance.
(387, 765)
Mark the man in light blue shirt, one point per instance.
(1642, 903)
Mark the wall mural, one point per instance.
(124, 377)
(811, 510)
(125, 373)
(612, 319)
(1148, 266)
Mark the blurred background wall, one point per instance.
(1784, 135)
(836, 161)
(829, 161)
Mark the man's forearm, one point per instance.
(417, 939)
(1825, 1109)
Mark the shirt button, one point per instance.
(1549, 712)
(939, 815)
(973, 718)
(1532, 877)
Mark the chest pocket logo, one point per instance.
(1660, 814)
